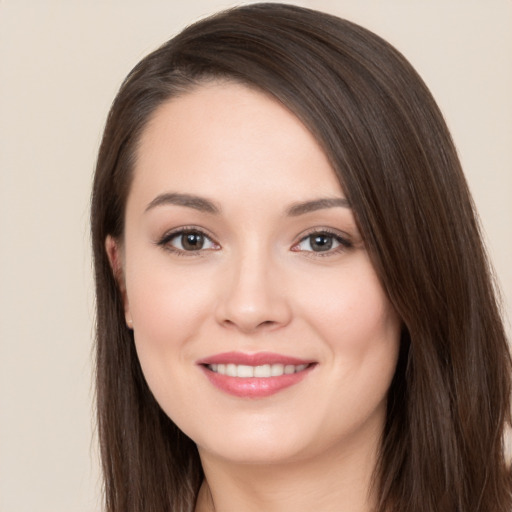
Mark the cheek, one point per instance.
(350, 308)
(168, 307)
(359, 326)
(163, 298)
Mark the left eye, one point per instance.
(320, 242)
(190, 240)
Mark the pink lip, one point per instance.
(253, 387)
(256, 359)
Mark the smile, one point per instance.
(264, 371)
(254, 375)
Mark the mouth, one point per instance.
(254, 375)
(263, 371)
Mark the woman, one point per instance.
(295, 310)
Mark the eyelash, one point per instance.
(164, 242)
(344, 243)
(168, 237)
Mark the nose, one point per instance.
(253, 296)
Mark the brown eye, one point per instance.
(187, 241)
(192, 241)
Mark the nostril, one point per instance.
(251, 309)
(249, 326)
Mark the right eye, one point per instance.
(188, 240)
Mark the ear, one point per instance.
(114, 254)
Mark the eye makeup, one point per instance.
(187, 241)
(195, 241)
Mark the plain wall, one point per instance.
(61, 63)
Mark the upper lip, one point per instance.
(256, 359)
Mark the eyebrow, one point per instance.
(187, 200)
(207, 206)
(317, 204)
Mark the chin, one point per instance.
(263, 442)
(257, 453)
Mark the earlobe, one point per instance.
(113, 249)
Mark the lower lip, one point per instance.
(255, 387)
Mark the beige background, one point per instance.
(60, 65)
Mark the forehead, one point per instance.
(228, 138)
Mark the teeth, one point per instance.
(265, 370)
(262, 371)
(276, 370)
(289, 368)
(244, 371)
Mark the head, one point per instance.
(385, 140)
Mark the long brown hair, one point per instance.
(448, 405)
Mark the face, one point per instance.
(260, 324)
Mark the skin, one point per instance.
(257, 285)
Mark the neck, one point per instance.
(340, 480)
